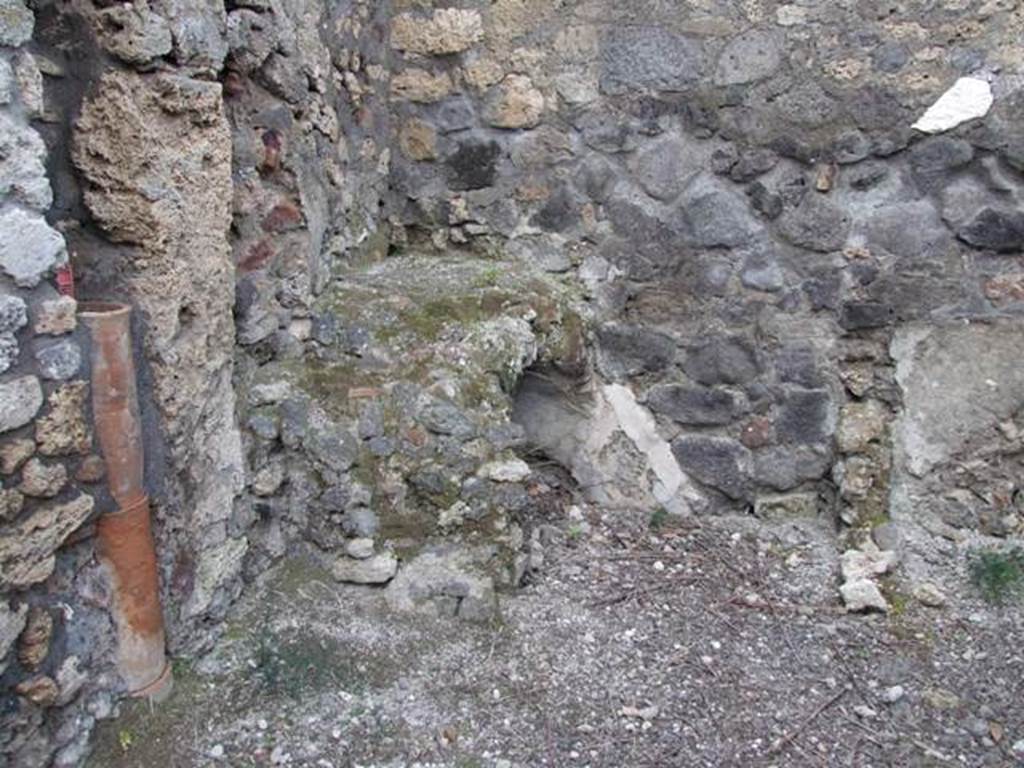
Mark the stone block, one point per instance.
(13, 314)
(16, 23)
(993, 229)
(787, 467)
(804, 416)
(789, 506)
(30, 247)
(41, 480)
(58, 361)
(377, 569)
(64, 430)
(445, 31)
(22, 165)
(861, 424)
(694, 406)
(514, 103)
(27, 549)
(648, 58)
(20, 401)
(816, 225)
(722, 360)
(749, 57)
(134, 33)
(628, 350)
(717, 462)
(55, 316)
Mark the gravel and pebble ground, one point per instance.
(639, 643)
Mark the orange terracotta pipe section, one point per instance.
(124, 537)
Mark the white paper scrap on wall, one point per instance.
(968, 99)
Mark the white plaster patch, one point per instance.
(671, 487)
(968, 99)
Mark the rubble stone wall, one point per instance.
(697, 252)
(739, 187)
(203, 162)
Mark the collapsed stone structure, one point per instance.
(380, 252)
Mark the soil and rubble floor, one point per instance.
(641, 642)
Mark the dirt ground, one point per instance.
(639, 643)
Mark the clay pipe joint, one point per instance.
(124, 537)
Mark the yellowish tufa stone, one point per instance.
(64, 430)
(42, 480)
(11, 502)
(483, 73)
(447, 30)
(420, 86)
(15, 453)
(515, 103)
(41, 691)
(56, 316)
(34, 643)
(27, 549)
(418, 140)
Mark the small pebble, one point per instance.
(894, 694)
(217, 751)
(865, 712)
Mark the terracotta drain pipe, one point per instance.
(125, 539)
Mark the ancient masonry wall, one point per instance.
(776, 248)
(714, 219)
(167, 148)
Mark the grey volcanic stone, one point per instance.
(932, 160)
(697, 406)
(752, 164)
(8, 351)
(20, 401)
(722, 361)
(627, 350)
(13, 313)
(596, 178)
(804, 416)
(816, 225)
(29, 248)
(851, 147)
(769, 204)
(7, 84)
(717, 462)
(199, 31)
(761, 270)
(715, 215)
(664, 168)
(798, 364)
(995, 230)
(650, 58)
(378, 569)
(787, 467)
(752, 56)
(361, 522)
(335, 448)
(559, 213)
(861, 315)
(908, 230)
(135, 34)
(16, 23)
(22, 170)
(59, 361)
(252, 37)
(446, 418)
(473, 165)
